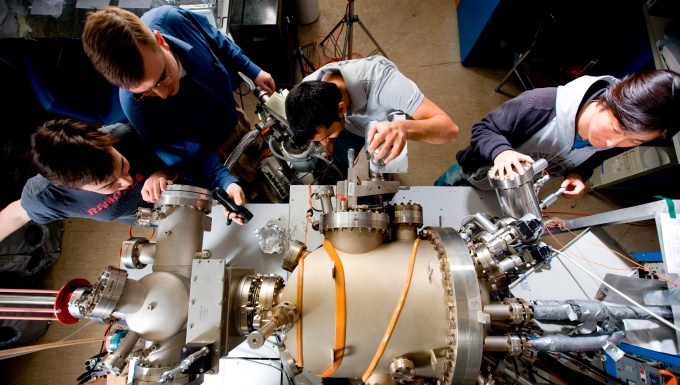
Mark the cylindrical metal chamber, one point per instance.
(438, 329)
(180, 234)
(516, 195)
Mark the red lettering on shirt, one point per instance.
(115, 197)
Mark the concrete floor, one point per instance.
(421, 37)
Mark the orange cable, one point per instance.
(561, 224)
(395, 315)
(298, 300)
(666, 373)
(340, 310)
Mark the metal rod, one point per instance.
(28, 318)
(26, 300)
(630, 214)
(36, 291)
(24, 310)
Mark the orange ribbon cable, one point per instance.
(340, 310)
(395, 315)
(298, 326)
(670, 380)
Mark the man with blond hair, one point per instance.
(177, 75)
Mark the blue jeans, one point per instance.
(452, 177)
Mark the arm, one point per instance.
(226, 50)
(12, 218)
(430, 124)
(511, 123)
(213, 174)
(507, 126)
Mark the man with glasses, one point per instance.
(177, 75)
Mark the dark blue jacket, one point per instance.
(190, 124)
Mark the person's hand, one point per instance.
(508, 163)
(392, 137)
(236, 193)
(573, 185)
(265, 81)
(155, 185)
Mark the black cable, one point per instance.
(255, 361)
(564, 373)
(594, 368)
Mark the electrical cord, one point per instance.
(615, 290)
(560, 223)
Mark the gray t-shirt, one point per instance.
(376, 89)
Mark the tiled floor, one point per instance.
(421, 37)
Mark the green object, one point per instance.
(670, 203)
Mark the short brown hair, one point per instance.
(112, 39)
(71, 153)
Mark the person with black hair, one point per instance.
(103, 174)
(339, 100)
(574, 127)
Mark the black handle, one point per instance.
(226, 201)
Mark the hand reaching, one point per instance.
(574, 186)
(236, 193)
(265, 81)
(392, 137)
(509, 163)
(155, 185)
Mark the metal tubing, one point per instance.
(630, 214)
(484, 222)
(28, 318)
(498, 312)
(26, 300)
(24, 310)
(36, 291)
(496, 344)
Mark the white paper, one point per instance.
(669, 239)
(144, 4)
(93, 4)
(47, 7)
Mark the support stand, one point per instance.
(349, 19)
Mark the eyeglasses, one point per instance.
(164, 80)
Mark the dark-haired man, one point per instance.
(339, 100)
(103, 174)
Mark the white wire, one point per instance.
(77, 330)
(612, 288)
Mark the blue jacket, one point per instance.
(190, 124)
